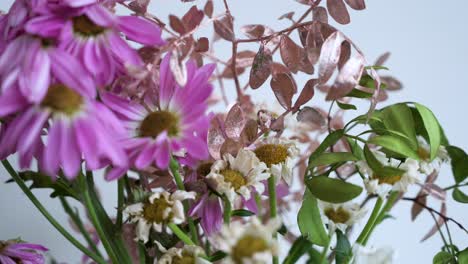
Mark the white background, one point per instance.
(428, 41)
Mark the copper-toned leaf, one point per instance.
(177, 25)
(208, 9)
(202, 45)
(438, 224)
(311, 115)
(320, 14)
(345, 54)
(178, 69)
(435, 191)
(314, 43)
(305, 2)
(329, 56)
(253, 31)
(416, 209)
(290, 53)
(261, 68)
(274, 41)
(392, 83)
(278, 68)
(284, 88)
(356, 4)
(278, 124)
(382, 59)
(305, 65)
(306, 94)
(185, 47)
(288, 15)
(244, 58)
(224, 28)
(230, 146)
(338, 11)
(215, 138)
(192, 18)
(249, 133)
(235, 121)
(139, 6)
(227, 72)
(347, 78)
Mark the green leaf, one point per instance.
(443, 258)
(432, 128)
(242, 213)
(395, 144)
(330, 140)
(299, 248)
(343, 249)
(376, 67)
(463, 256)
(328, 158)
(369, 82)
(310, 221)
(346, 106)
(378, 168)
(332, 190)
(218, 255)
(355, 148)
(315, 257)
(459, 196)
(358, 94)
(459, 162)
(398, 117)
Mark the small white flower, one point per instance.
(424, 151)
(187, 254)
(160, 209)
(380, 185)
(371, 255)
(278, 154)
(340, 216)
(250, 243)
(234, 176)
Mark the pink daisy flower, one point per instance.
(78, 128)
(173, 124)
(92, 33)
(12, 252)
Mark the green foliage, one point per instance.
(369, 82)
(459, 196)
(432, 128)
(331, 158)
(346, 106)
(359, 94)
(310, 221)
(379, 168)
(314, 257)
(444, 257)
(463, 256)
(218, 255)
(395, 144)
(343, 249)
(399, 118)
(242, 213)
(332, 190)
(459, 162)
(300, 247)
(330, 140)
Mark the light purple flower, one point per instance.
(78, 127)
(12, 252)
(208, 209)
(172, 125)
(92, 33)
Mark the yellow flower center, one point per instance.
(62, 99)
(271, 154)
(423, 154)
(387, 179)
(339, 215)
(155, 212)
(185, 259)
(246, 247)
(86, 27)
(204, 168)
(157, 122)
(234, 177)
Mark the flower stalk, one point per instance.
(273, 209)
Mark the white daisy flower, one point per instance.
(189, 254)
(424, 152)
(340, 216)
(160, 209)
(380, 185)
(278, 154)
(234, 176)
(371, 255)
(250, 243)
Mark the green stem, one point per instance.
(142, 253)
(370, 223)
(356, 138)
(273, 210)
(75, 217)
(120, 202)
(227, 211)
(48, 216)
(323, 256)
(180, 234)
(456, 186)
(388, 205)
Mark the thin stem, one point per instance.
(180, 234)
(142, 253)
(227, 211)
(450, 238)
(323, 256)
(438, 229)
(75, 217)
(456, 186)
(370, 223)
(356, 138)
(120, 202)
(48, 216)
(388, 205)
(273, 210)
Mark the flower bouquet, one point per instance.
(206, 171)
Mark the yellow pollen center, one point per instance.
(204, 168)
(339, 215)
(86, 27)
(247, 246)
(423, 154)
(234, 177)
(271, 154)
(185, 259)
(155, 212)
(387, 179)
(157, 122)
(61, 99)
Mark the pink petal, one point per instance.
(36, 79)
(100, 15)
(70, 156)
(163, 156)
(141, 30)
(123, 51)
(51, 157)
(48, 26)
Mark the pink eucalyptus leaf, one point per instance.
(284, 87)
(416, 209)
(139, 6)
(208, 9)
(177, 25)
(192, 18)
(278, 124)
(261, 68)
(320, 14)
(329, 56)
(382, 59)
(249, 133)
(392, 83)
(253, 31)
(235, 121)
(288, 15)
(290, 53)
(356, 4)
(305, 65)
(311, 115)
(347, 78)
(306, 94)
(435, 191)
(338, 11)
(224, 28)
(440, 222)
(345, 54)
(215, 138)
(202, 45)
(230, 146)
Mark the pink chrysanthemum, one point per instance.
(78, 127)
(12, 252)
(92, 33)
(174, 124)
